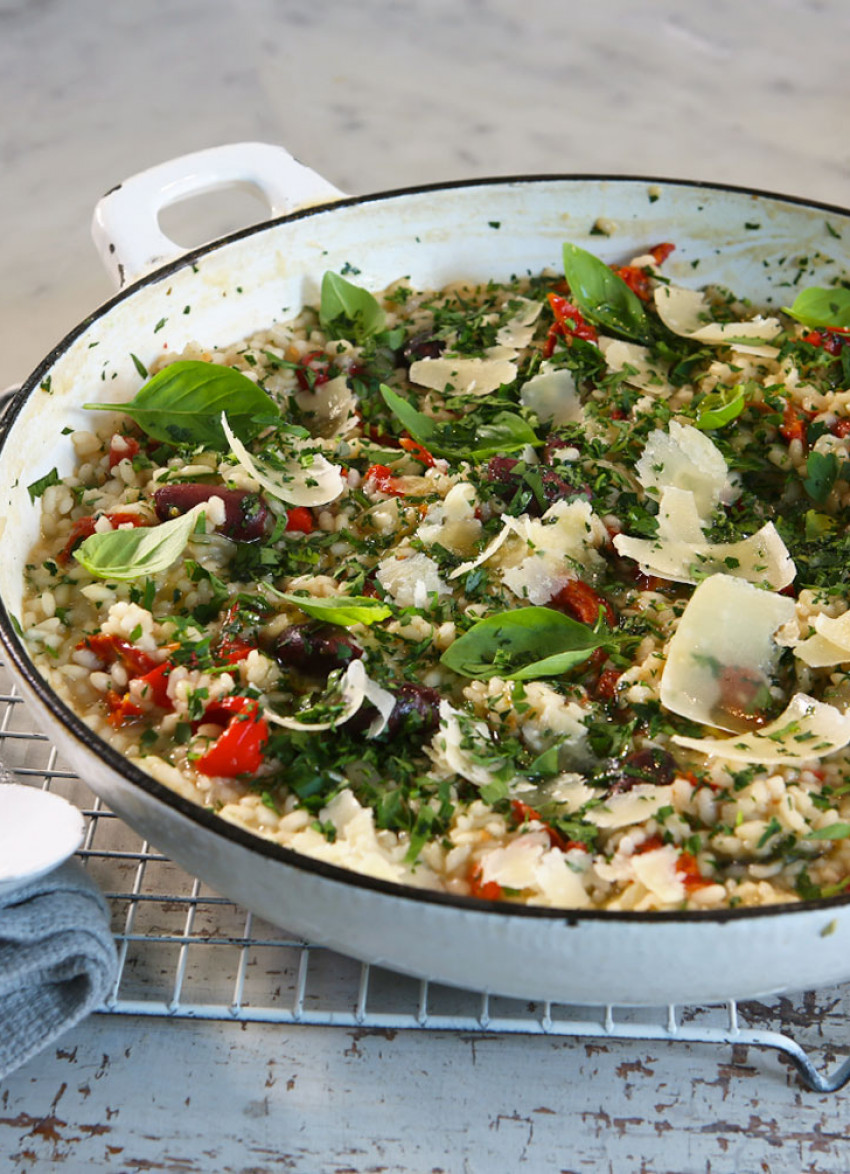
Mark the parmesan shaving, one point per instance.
(553, 396)
(310, 480)
(806, 730)
(465, 376)
(830, 645)
(642, 371)
(519, 330)
(687, 312)
(728, 627)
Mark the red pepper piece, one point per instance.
(841, 428)
(487, 891)
(299, 519)
(583, 602)
(661, 252)
(313, 370)
(156, 684)
(417, 450)
(830, 340)
(122, 708)
(605, 688)
(688, 870)
(238, 750)
(522, 813)
(121, 447)
(109, 649)
(569, 323)
(636, 279)
(383, 480)
(83, 528)
(793, 426)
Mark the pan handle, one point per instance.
(125, 225)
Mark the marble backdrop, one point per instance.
(377, 94)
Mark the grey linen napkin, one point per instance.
(57, 960)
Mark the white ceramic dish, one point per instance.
(478, 230)
(38, 832)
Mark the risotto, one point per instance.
(532, 591)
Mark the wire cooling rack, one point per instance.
(185, 952)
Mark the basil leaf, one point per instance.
(821, 475)
(183, 402)
(470, 438)
(522, 644)
(347, 311)
(343, 610)
(37, 488)
(603, 296)
(144, 550)
(822, 307)
(719, 408)
(835, 831)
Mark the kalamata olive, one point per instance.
(649, 765)
(417, 710)
(423, 346)
(314, 651)
(245, 513)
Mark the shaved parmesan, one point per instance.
(724, 637)
(687, 313)
(806, 730)
(412, 581)
(642, 802)
(643, 371)
(830, 644)
(553, 396)
(329, 406)
(546, 550)
(684, 457)
(306, 480)
(528, 862)
(351, 688)
(466, 746)
(762, 558)
(519, 330)
(465, 376)
(657, 872)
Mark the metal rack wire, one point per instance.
(185, 952)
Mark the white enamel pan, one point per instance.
(225, 290)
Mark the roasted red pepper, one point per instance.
(522, 813)
(121, 708)
(238, 750)
(688, 870)
(605, 688)
(383, 480)
(299, 520)
(156, 685)
(121, 447)
(793, 426)
(830, 340)
(110, 648)
(417, 450)
(83, 528)
(313, 370)
(569, 323)
(583, 603)
(487, 891)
